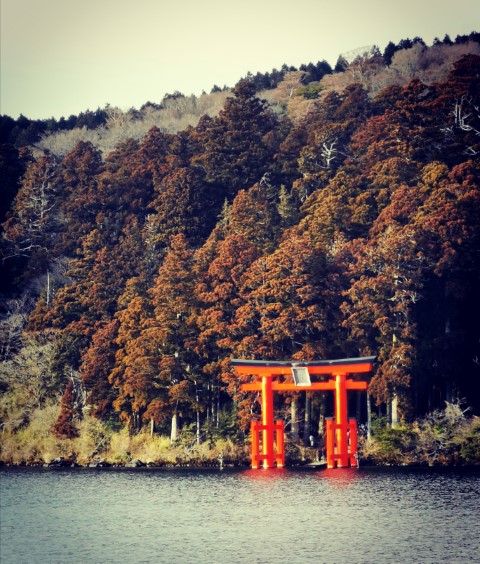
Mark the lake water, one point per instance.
(168, 516)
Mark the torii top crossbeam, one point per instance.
(271, 368)
(350, 365)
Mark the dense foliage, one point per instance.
(351, 228)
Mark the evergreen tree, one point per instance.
(239, 144)
(65, 427)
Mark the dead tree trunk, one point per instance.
(174, 428)
(295, 431)
(369, 416)
(307, 419)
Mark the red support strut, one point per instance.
(339, 456)
(261, 456)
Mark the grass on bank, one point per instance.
(35, 444)
(444, 437)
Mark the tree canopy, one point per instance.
(353, 230)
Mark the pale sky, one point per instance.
(62, 57)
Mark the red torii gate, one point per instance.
(341, 434)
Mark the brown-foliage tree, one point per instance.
(65, 427)
(175, 332)
(135, 369)
(97, 363)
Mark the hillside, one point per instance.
(324, 218)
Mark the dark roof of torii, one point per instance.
(295, 363)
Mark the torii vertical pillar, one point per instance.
(341, 434)
(264, 452)
(341, 416)
(267, 422)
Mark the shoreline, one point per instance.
(308, 466)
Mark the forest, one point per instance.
(320, 214)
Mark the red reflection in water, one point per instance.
(337, 477)
(340, 477)
(266, 474)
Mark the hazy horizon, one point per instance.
(60, 58)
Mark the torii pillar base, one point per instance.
(336, 456)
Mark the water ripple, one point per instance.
(158, 516)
